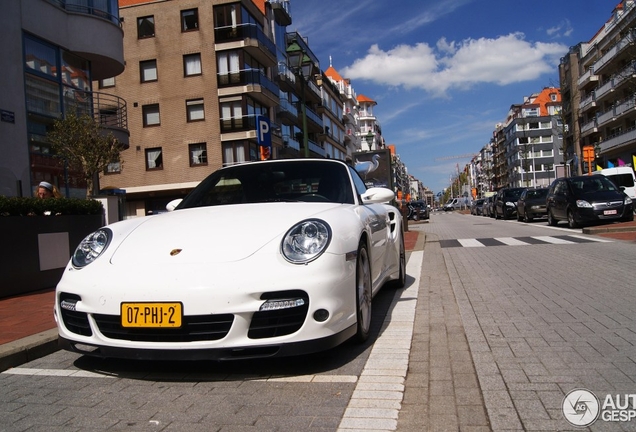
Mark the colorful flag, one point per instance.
(621, 163)
(634, 161)
(610, 165)
(598, 167)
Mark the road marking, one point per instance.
(511, 241)
(470, 243)
(521, 241)
(553, 240)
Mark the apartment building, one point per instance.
(351, 110)
(533, 139)
(199, 75)
(51, 52)
(370, 131)
(601, 92)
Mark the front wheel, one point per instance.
(571, 221)
(551, 220)
(363, 294)
(527, 218)
(400, 282)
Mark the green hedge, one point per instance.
(15, 206)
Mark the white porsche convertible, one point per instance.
(261, 259)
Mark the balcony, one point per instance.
(290, 142)
(588, 102)
(613, 52)
(249, 81)
(315, 148)
(286, 78)
(589, 127)
(287, 111)
(281, 10)
(101, 38)
(248, 37)
(111, 112)
(615, 142)
(587, 78)
(314, 120)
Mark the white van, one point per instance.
(623, 177)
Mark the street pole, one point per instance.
(304, 114)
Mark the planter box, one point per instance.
(36, 249)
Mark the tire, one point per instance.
(551, 220)
(400, 282)
(496, 215)
(571, 221)
(363, 294)
(519, 217)
(526, 218)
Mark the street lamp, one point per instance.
(369, 138)
(301, 65)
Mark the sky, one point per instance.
(445, 72)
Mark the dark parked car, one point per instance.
(487, 206)
(505, 205)
(531, 204)
(418, 210)
(477, 206)
(586, 200)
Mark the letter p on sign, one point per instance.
(264, 136)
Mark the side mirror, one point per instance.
(377, 195)
(173, 204)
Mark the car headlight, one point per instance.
(583, 204)
(91, 247)
(628, 201)
(306, 241)
(511, 204)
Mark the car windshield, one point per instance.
(592, 184)
(513, 194)
(537, 193)
(285, 181)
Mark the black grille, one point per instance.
(75, 322)
(193, 328)
(281, 322)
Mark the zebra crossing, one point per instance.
(521, 241)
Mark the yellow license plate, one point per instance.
(151, 314)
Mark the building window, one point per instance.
(146, 27)
(108, 82)
(113, 168)
(192, 64)
(151, 115)
(198, 154)
(239, 151)
(194, 110)
(154, 159)
(148, 70)
(189, 20)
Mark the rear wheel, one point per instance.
(527, 218)
(363, 293)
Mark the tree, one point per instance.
(84, 145)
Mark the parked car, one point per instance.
(272, 258)
(623, 177)
(418, 210)
(505, 204)
(586, 200)
(477, 207)
(531, 204)
(487, 206)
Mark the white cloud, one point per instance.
(563, 29)
(458, 65)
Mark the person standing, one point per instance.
(47, 190)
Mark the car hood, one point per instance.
(603, 196)
(210, 234)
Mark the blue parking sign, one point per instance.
(263, 134)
